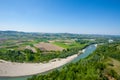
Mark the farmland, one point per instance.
(48, 47)
(42, 47)
(68, 45)
(36, 47)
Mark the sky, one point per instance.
(61, 16)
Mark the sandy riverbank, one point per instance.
(9, 69)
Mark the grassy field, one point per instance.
(61, 44)
(68, 45)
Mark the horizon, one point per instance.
(62, 33)
(61, 16)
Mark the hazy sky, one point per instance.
(73, 16)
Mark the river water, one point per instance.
(88, 50)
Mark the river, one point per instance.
(88, 50)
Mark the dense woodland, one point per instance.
(97, 66)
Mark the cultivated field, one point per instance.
(48, 47)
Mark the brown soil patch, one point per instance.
(48, 47)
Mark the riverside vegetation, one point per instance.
(101, 65)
